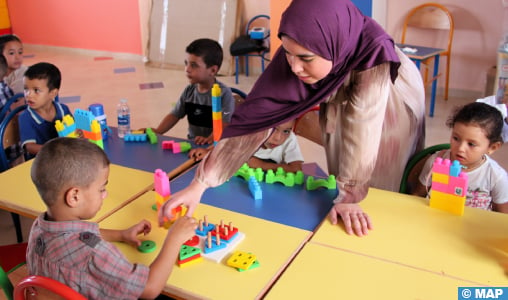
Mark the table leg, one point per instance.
(434, 85)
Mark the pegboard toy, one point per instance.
(246, 172)
(194, 241)
(289, 179)
(212, 245)
(255, 188)
(147, 246)
(135, 137)
(217, 241)
(204, 227)
(313, 184)
(176, 147)
(83, 120)
(216, 113)
(254, 265)
(241, 260)
(449, 186)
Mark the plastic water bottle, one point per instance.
(97, 110)
(124, 118)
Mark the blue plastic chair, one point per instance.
(261, 54)
(8, 104)
(7, 126)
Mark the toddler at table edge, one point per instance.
(476, 134)
(71, 177)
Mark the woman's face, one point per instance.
(309, 67)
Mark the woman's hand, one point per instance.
(190, 197)
(355, 220)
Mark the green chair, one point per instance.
(415, 165)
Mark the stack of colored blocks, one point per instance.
(161, 187)
(216, 113)
(449, 186)
(83, 120)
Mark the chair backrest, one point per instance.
(430, 17)
(9, 103)
(307, 126)
(9, 135)
(256, 20)
(48, 284)
(6, 285)
(415, 165)
(238, 95)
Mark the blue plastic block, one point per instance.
(255, 188)
(135, 137)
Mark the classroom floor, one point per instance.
(94, 77)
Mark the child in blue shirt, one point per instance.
(37, 123)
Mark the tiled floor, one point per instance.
(91, 80)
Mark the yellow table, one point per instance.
(323, 272)
(273, 244)
(19, 195)
(471, 248)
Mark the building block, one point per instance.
(188, 251)
(254, 265)
(130, 137)
(66, 127)
(152, 136)
(193, 241)
(246, 172)
(449, 186)
(313, 184)
(175, 146)
(255, 188)
(83, 119)
(216, 112)
(161, 183)
(241, 260)
(287, 178)
(191, 260)
(219, 255)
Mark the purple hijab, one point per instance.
(333, 29)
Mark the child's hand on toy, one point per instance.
(130, 235)
(198, 153)
(182, 230)
(201, 140)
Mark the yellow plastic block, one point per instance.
(447, 202)
(241, 260)
(441, 178)
(188, 263)
(216, 115)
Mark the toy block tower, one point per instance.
(83, 120)
(216, 113)
(161, 186)
(449, 186)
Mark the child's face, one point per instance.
(468, 144)
(308, 66)
(94, 195)
(279, 135)
(13, 52)
(37, 93)
(196, 70)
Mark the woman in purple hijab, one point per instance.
(371, 98)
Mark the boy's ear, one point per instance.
(71, 197)
(214, 69)
(494, 147)
(53, 93)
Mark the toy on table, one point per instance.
(242, 260)
(147, 246)
(83, 120)
(288, 179)
(188, 254)
(449, 186)
(141, 136)
(216, 113)
(177, 147)
(328, 183)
